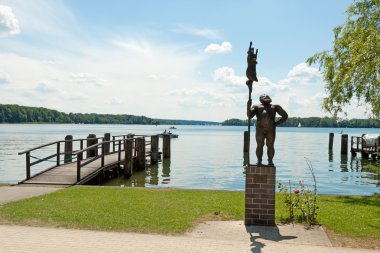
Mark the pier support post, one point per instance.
(260, 189)
(140, 153)
(154, 155)
(91, 140)
(166, 146)
(68, 149)
(107, 137)
(344, 144)
(128, 164)
(246, 142)
(331, 141)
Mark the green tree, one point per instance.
(352, 68)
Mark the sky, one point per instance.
(169, 59)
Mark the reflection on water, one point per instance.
(150, 176)
(166, 171)
(206, 157)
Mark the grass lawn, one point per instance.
(125, 209)
(172, 211)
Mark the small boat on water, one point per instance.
(299, 124)
(172, 127)
(169, 133)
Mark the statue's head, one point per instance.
(265, 99)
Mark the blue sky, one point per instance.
(164, 59)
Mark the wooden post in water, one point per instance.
(246, 142)
(27, 165)
(331, 141)
(344, 144)
(154, 155)
(68, 149)
(91, 140)
(140, 153)
(107, 137)
(166, 146)
(58, 153)
(128, 162)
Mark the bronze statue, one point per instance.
(265, 125)
(252, 61)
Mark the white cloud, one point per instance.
(227, 75)
(209, 98)
(302, 74)
(201, 32)
(223, 48)
(45, 88)
(116, 101)
(9, 25)
(88, 78)
(162, 77)
(4, 78)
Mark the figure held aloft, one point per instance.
(251, 69)
(265, 125)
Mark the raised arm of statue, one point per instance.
(282, 113)
(251, 112)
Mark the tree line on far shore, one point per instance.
(26, 114)
(315, 122)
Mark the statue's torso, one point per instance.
(266, 116)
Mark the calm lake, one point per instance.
(208, 157)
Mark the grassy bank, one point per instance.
(375, 168)
(175, 211)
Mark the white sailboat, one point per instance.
(299, 124)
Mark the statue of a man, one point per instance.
(266, 125)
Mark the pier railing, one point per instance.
(55, 157)
(126, 146)
(119, 146)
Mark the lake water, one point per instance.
(208, 157)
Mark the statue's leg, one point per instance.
(271, 136)
(259, 146)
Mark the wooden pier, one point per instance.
(360, 145)
(124, 153)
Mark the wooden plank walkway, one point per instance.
(128, 152)
(66, 174)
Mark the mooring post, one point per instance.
(166, 146)
(128, 162)
(344, 144)
(91, 140)
(107, 137)
(140, 153)
(331, 141)
(27, 165)
(246, 142)
(58, 153)
(260, 190)
(68, 149)
(154, 149)
(79, 159)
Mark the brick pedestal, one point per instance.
(260, 188)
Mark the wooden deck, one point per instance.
(66, 174)
(125, 153)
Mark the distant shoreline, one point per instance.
(16, 114)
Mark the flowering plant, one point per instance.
(301, 202)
